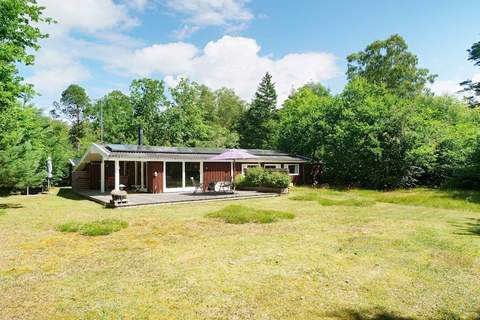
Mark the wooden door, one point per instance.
(155, 177)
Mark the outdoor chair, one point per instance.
(198, 186)
(225, 186)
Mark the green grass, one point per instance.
(238, 214)
(324, 201)
(2, 212)
(409, 254)
(95, 228)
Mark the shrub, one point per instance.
(95, 228)
(259, 177)
(238, 214)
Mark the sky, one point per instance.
(103, 45)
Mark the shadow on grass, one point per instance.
(470, 228)
(67, 193)
(368, 315)
(10, 206)
(465, 195)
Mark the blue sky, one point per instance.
(104, 44)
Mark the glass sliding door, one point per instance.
(192, 170)
(174, 175)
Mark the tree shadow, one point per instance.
(465, 195)
(68, 193)
(375, 314)
(472, 227)
(10, 206)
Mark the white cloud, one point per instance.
(446, 87)
(233, 62)
(87, 15)
(230, 14)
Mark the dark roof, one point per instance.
(130, 150)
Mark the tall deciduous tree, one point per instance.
(75, 106)
(18, 36)
(389, 63)
(148, 100)
(256, 128)
(229, 108)
(113, 114)
(470, 87)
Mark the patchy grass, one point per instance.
(238, 214)
(415, 258)
(324, 201)
(95, 228)
(2, 212)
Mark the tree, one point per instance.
(21, 148)
(18, 36)
(116, 112)
(229, 108)
(256, 128)
(21, 134)
(470, 87)
(302, 122)
(148, 100)
(75, 106)
(389, 63)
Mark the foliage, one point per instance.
(19, 34)
(237, 214)
(95, 228)
(116, 112)
(470, 87)
(148, 99)
(75, 107)
(259, 177)
(257, 125)
(389, 63)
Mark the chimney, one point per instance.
(140, 136)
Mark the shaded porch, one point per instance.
(139, 199)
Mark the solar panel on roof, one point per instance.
(157, 149)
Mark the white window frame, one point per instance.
(297, 169)
(248, 165)
(274, 165)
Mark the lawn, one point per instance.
(325, 254)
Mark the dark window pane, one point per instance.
(173, 174)
(192, 170)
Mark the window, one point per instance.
(192, 170)
(248, 165)
(173, 174)
(293, 169)
(272, 166)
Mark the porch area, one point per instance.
(140, 199)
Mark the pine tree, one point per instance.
(256, 127)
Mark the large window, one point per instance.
(293, 169)
(192, 170)
(173, 175)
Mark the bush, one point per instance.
(238, 214)
(95, 228)
(259, 177)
